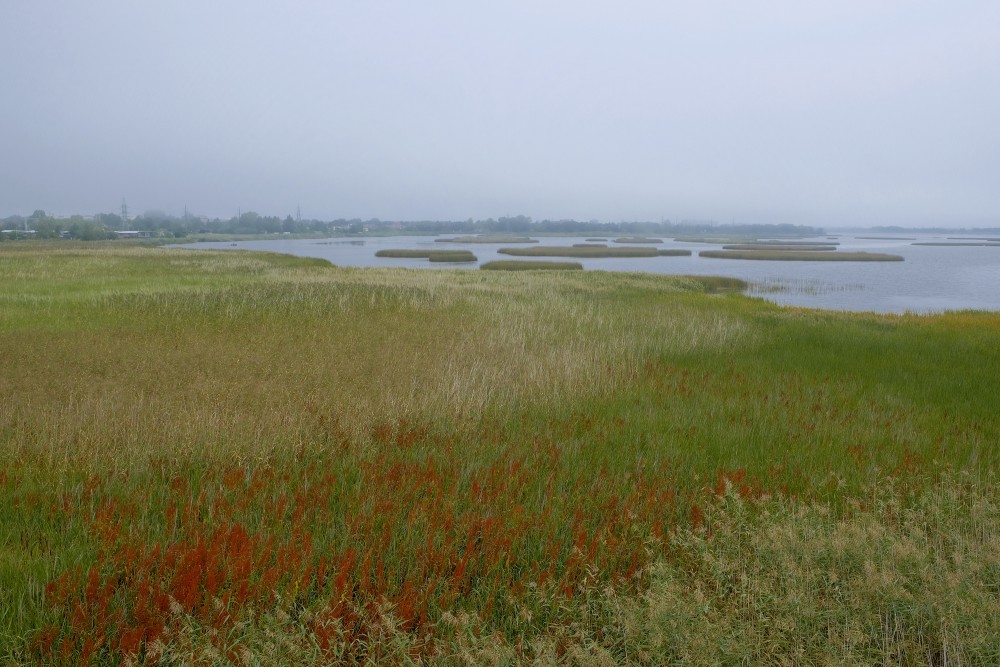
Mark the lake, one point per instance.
(931, 279)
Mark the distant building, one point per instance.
(134, 234)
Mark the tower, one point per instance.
(124, 213)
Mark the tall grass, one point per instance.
(228, 456)
(530, 265)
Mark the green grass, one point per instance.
(801, 256)
(432, 255)
(576, 251)
(673, 252)
(321, 464)
(529, 265)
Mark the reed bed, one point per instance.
(577, 251)
(801, 256)
(887, 238)
(977, 244)
(432, 255)
(716, 240)
(637, 239)
(489, 238)
(225, 457)
(673, 252)
(796, 242)
(782, 247)
(530, 265)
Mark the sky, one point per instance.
(831, 113)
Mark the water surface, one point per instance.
(931, 279)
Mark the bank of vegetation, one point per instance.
(530, 265)
(591, 251)
(432, 255)
(801, 255)
(237, 458)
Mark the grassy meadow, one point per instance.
(235, 458)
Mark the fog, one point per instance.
(822, 113)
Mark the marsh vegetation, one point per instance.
(810, 255)
(530, 265)
(432, 255)
(488, 238)
(217, 457)
(579, 251)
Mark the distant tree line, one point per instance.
(157, 223)
(523, 223)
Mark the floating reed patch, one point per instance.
(588, 252)
(489, 238)
(779, 255)
(715, 239)
(432, 255)
(673, 252)
(637, 239)
(886, 238)
(529, 265)
(798, 247)
(452, 256)
(796, 242)
(956, 244)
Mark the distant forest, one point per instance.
(107, 225)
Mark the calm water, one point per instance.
(931, 279)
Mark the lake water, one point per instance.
(931, 279)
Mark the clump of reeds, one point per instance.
(637, 239)
(673, 252)
(715, 239)
(489, 238)
(575, 251)
(798, 247)
(432, 255)
(528, 265)
(801, 256)
(717, 284)
(979, 244)
(795, 242)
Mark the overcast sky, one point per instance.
(840, 112)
